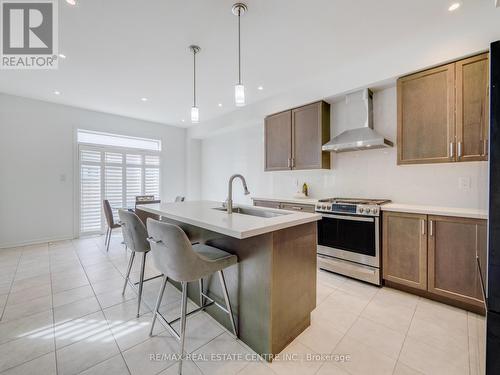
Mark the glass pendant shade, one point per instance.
(239, 95)
(195, 115)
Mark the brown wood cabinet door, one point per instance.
(472, 108)
(426, 116)
(454, 244)
(308, 135)
(404, 246)
(278, 141)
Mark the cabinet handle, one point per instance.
(297, 208)
(293, 162)
(460, 149)
(423, 227)
(452, 147)
(485, 147)
(431, 228)
(289, 163)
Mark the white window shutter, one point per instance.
(90, 192)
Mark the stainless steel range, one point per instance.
(349, 237)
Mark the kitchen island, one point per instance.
(273, 286)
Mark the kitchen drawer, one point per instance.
(297, 207)
(269, 204)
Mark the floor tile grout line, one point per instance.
(102, 311)
(23, 363)
(53, 317)
(406, 335)
(468, 344)
(347, 331)
(10, 288)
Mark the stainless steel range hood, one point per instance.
(359, 124)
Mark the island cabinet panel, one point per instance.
(292, 266)
(472, 108)
(278, 141)
(293, 138)
(405, 249)
(454, 245)
(426, 116)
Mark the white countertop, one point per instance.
(436, 210)
(311, 201)
(203, 215)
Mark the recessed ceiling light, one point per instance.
(57, 92)
(220, 104)
(62, 56)
(260, 88)
(144, 99)
(454, 6)
(183, 120)
(71, 2)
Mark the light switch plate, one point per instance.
(464, 183)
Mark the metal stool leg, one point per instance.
(183, 323)
(106, 237)
(109, 238)
(200, 285)
(228, 303)
(130, 262)
(158, 303)
(141, 281)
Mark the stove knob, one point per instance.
(361, 210)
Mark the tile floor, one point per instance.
(62, 312)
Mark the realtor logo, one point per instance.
(29, 34)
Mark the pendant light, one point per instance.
(239, 90)
(195, 112)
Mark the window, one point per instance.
(107, 139)
(117, 174)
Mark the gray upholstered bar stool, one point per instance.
(108, 214)
(183, 262)
(136, 239)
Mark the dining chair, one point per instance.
(108, 214)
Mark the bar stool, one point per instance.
(108, 214)
(183, 262)
(135, 236)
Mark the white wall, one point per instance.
(37, 151)
(371, 173)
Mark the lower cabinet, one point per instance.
(404, 243)
(454, 244)
(436, 254)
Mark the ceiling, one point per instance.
(119, 51)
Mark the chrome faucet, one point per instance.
(229, 200)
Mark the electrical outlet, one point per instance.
(464, 183)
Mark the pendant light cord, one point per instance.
(194, 78)
(239, 48)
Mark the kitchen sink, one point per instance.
(253, 212)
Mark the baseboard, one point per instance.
(36, 242)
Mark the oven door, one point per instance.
(353, 238)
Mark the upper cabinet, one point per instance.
(293, 138)
(472, 81)
(278, 141)
(442, 113)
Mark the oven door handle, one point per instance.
(352, 218)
